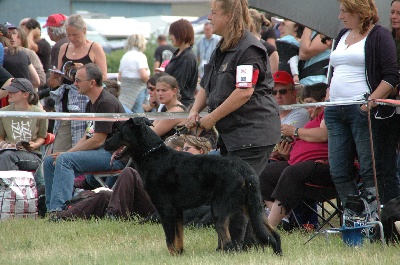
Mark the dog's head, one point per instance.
(136, 135)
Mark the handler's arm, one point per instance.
(198, 105)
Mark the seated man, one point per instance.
(87, 155)
(285, 93)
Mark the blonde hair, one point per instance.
(76, 21)
(136, 40)
(240, 21)
(366, 9)
(175, 141)
(259, 20)
(199, 143)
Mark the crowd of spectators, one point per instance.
(281, 145)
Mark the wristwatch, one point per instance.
(296, 133)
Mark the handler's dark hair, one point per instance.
(183, 31)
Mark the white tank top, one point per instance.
(349, 80)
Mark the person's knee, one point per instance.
(48, 161)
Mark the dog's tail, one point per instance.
(264, 232)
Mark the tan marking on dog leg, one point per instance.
(178, 242)
(223, 232)
(171, 250)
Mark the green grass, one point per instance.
(27, 241)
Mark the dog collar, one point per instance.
(152, 149)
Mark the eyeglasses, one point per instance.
(281, 91)
(77, 80)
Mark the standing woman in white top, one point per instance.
(133, 73)
(364, 62)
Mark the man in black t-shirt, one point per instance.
(163, 52)
(88, 155)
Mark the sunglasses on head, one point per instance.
(281, 91)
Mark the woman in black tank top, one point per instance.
(78, 50)
(168, 94)
(66, 97)
(84, 60)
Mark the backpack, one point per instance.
(18, 195)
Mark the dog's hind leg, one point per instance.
(173, 229)
(224, 238)
(274, 234)
(237, 229)
(222, 220)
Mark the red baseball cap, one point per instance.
(55, 20)
(283, 77)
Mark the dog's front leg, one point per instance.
(173, 229)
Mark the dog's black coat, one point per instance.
(177, 181)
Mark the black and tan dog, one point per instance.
(177, 181)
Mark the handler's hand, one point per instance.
(192, 120)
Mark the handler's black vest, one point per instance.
(257, 122)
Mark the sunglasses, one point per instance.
(282, 91)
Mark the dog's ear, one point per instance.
(131, 122)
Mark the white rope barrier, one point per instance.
(164, 115)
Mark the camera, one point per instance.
(69, 71)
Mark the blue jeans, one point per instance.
(59, 179)
(348, 135)
(137, 107)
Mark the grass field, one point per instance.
(27, 241)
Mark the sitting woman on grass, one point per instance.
(282, 183)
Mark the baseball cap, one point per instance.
(55, 20)
(283, 77)
(4, 30)
(20, 84)
(10, 26)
